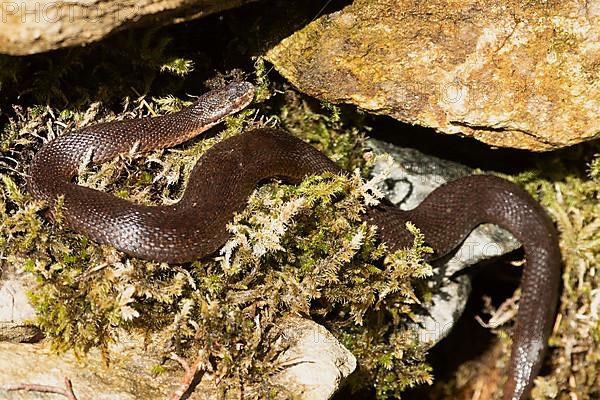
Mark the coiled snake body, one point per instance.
(225, 176)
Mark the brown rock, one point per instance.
(35, 26)
(511, 74)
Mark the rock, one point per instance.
(507, 73)
(126, 378)
(35, 26)
(16, 313)
(316, 364)
(413, 176)
(313, 367)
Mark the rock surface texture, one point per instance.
(35, 26)
(511, 74)
(314, 366)
(17, 315)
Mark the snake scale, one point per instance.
(224, 177)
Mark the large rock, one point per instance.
(316, 364)
(34, 26)
(511, 74)
(313, 367)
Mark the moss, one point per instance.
(389, 355)
(295, 249)
(263, 90)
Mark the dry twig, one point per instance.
(188, 377)
(67, 391)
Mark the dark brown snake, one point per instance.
(225, 176)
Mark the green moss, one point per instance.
(263, 89)
(295, 249)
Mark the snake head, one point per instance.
(219, 103)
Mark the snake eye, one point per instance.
(239, 90)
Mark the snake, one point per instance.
(225, 176)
